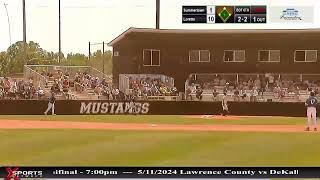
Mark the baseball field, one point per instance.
(157, 141)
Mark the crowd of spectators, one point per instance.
(242, 88)
(61, 82)
(252, 87)
(82, 82)
(144, 87)
(19, 89)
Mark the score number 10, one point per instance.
(211, 19)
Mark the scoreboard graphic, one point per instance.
(224, 14)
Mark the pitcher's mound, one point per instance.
(215, 117)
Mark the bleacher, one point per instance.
(268, 95)
(34, 72)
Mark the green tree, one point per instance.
(76, 59)
(34, 55)
(15, 57)
(4, 70)
(96, 61)
(12, 61)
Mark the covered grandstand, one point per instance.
(266, 64)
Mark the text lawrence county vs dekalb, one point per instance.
(194, 172)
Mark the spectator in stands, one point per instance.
(215, 95)
(104, 82)
(216, 81)
(278, 82)
(191, 79)
(254, 94)
(98, 90)
(65, 87)
(106, 92)
(270, 81)
(12, 93)
(193, 88)
(115, 94)
(2, 93)
(225, 90)
(236, 94)
(250, 83)
(243, 94)
(282, 94)
(316, 91)
(28, 92)
(174, 91)
(257, 83)
(40, 93)
(199, 93)
(144, 94)
(7, 85)
(223, 82)
(189, 94)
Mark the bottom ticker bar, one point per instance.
(159, 172)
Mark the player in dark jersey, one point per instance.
(52, 101)
(311, 104)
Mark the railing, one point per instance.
(159, 98)
(202, 78)
(72, 70)
(100, 74)
(37, 78)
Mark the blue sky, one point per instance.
(103, 20)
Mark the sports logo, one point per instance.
(12, 174)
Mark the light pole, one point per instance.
(157, 14)
(24, 31)
(5, 6)
(59, 58)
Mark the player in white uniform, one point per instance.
(224, 103)
(311, 104)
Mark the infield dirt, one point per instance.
(30, 124)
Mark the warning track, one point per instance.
(28, 124)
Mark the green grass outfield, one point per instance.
(155, 148)
(154, 119)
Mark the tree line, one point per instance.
(12, 60)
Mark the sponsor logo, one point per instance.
(114, 108)
(294, 14)
(290, 14)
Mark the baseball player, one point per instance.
(311, 104)
(224, 103)
(51, 103)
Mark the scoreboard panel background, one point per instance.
(224, 14)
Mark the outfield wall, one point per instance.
(69, 107)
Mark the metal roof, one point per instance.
(209, 31)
